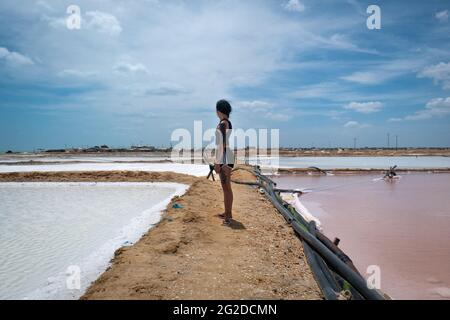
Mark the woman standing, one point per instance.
(224, 157)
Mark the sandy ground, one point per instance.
(191, 255)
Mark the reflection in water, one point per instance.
(403, 226)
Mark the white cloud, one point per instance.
(54, 22)
(76, 73)
(207, 53)
(340, 41)
(334, 114)
(339, 93)
(442, 16)
(294, 5)
(364, 107)
(440, 73)
(254, 105)
(265, 109)
(438, 107)
(45, 5)
(365, 77)
(103, 22)
(355, 125)
(166, 89)
(336, 41)
(14, 58)
(198, 55)
(385, 71)
(318, 90)
(126, 67)
(99, 21)
(278, 116)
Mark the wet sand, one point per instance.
(191, 255)
(402, 226)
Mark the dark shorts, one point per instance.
(230, 165)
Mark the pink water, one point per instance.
(402, 226)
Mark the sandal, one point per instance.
(227, 222)
(221, 215)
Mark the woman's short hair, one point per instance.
(223, 106)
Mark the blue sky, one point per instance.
(137, 70)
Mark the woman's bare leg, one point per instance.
(225, 179)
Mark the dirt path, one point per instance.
(190, 255)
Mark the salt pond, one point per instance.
(422, 162)
(192, 169)
(402, 226)
(48, 229)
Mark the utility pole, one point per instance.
(388, 140)
(396, 142)
(354, 143)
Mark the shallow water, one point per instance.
(401, 226)
(357, 162)
(47, 227)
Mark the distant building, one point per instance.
(143, 148)
(55, 151)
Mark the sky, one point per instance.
(137, 70)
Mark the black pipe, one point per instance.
(345, 285)
(321, 278)
(330, 258)
(341, 268)
(336, 250)
(263, 177)
(317, 169)
(322, 274)
(326, 271)
(325, 253)
(286, 216)
(333, 278)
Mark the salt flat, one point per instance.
(191, 169)
(49, 229)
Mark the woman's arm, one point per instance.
(223, 127)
